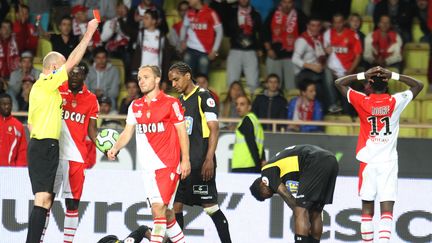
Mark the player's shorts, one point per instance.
(70, 176)
(194, 191)
(160, 186)
(378, 181)
(43, 160)
(317, 182)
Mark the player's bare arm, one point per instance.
(343, 83)
(92, 129)
(207, 170)
(286, 196)
(415, 85)
(185, 165)
(123, 139)
(79, 51)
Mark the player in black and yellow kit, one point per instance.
(202, 125)
(307, 170)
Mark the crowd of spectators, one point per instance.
(303, 45)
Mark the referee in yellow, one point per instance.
(44, 122)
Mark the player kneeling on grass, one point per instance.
(311, 172)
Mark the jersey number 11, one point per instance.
(373, 120)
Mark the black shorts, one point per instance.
(194, 191)
(317, 182)
(43, 160)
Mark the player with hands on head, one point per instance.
(379, 114)
(158, 122)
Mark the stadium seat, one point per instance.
(44, 46)
(416, 55)
(417, 33)
(426, 111)
(359, 6)
(367, 25)
(172, 19)
(37, 63)
(408, 132)
(218, 80)
(419, 74)
(336, 129)
(427, 133)
(411, 113)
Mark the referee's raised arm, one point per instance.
(44, 119)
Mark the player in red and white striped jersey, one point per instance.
(379, 114)
(157, 120)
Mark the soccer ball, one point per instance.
(106, 139)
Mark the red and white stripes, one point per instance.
(70, 225)
(367, 231)
(175, 233)
(385, 227)
(159, 229)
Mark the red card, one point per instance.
(96, 15)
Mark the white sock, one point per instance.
(385, 226)
(45, 227)
(175, 233)
(159, 230)
(70, 225)
(367, 231)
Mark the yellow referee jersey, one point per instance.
(45, 105)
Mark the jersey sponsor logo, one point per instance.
(189, 124)
(211, 103)
(150, 128)
(292, 186)
(340, 49)
(73, 116)
(380, 111)
(200, 189)
(177, 111)
(199, 26)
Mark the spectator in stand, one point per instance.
(153, 47)
(25, 32)
(25, 71)
(305, 108)
(24, 95)
(281, 30)
(203, 82)
(355, 22)
(119, 34)
(271, 104)
(264, 7)
(79, 26)
(42, 8)
(9, 52)
(345, 52)
(423, 17)
(201, 36)
(66, 41)
(103, 78)
(244, 29)
(4, 9)
(383, 47)
(401, 14)
(133, 92)
(105, 108)
(309, 58)
(107, 9)
(141, 9)
(228, 104)
(13, 142)
(248, 151)
(174, 33)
